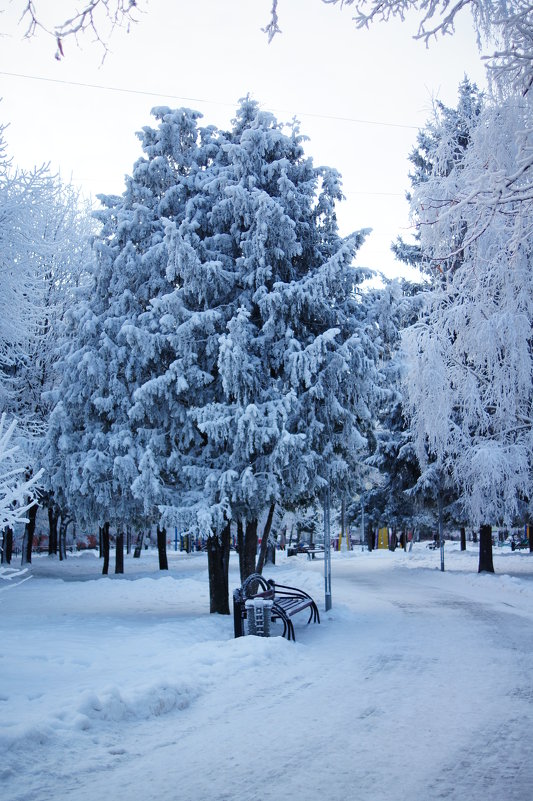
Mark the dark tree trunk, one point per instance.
(7, 551)
(463, 538)
(119, 553)
(100, 542)
(485, 550)
(128, 540)
(530, 538)
(53, 518)
(218, 550)
(29, 532)
(162, 548)
(138, 545)
(343, 525)
(105, 548)
(62, 542)
(264, 542)
(9, 545)
(248, 552)
(370, 538)
(240, 541)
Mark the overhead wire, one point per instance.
(147, 93)
(181, 98)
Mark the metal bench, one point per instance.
(286, 602)
(313, 551)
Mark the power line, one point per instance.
(146, 93)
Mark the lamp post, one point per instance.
(441, 531)
(327, 550)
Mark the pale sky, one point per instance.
(360, 95)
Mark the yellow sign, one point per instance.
(383, 538)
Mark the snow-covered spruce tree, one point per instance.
(387, 501)
(93, 446)
(469, 385)
(267, 370)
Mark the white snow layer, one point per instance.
(416, 686)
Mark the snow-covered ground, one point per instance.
(416, 686)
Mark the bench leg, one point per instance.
(238, 614)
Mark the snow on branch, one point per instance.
(94, 17)
(504, 24)
(14, 490)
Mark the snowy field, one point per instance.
(416, 686)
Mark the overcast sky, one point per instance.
(360, 95)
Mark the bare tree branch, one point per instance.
(97, 17)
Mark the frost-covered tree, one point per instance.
(440, 149)
(40, 241)
(68, 229)
(267, 374)
(25, 198)
(470, 361)
(454, 126)
(506, 26)
(17, 494)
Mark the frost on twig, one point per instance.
(273, 26)
(97, 17)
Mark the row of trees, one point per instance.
(43, 246)
(215, 357)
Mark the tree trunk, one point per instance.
(100, 542)
(370, 537)
(29, 531)
(162, 548)
(128, 540)
(53, 518)
(138, 545)
(264, 541)
(8, 544)
(343, 525)
(62, 541)
(218, 550)
(119, 553)
(7, 550)
(485, 550)
(240, 541)
(105, 548)
(463, 538)
(530, 538)
(248, 552)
